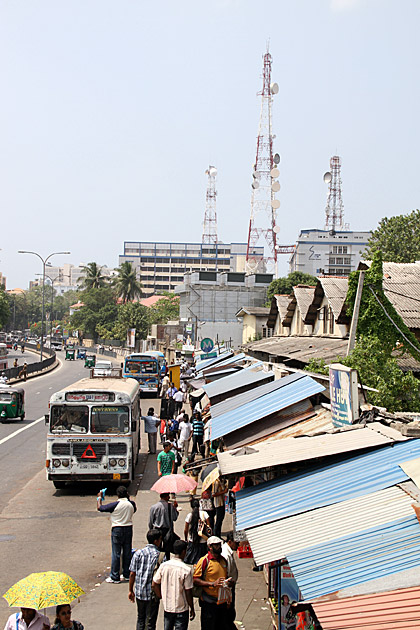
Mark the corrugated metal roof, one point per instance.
(288, 536)
(320, 423)
(288, 394)
(412, 469)
(289, 450)
(302, 348)
(381, 611)
(201, 365)
(304, 296)
(236, 358)
(376, 552)
(354, 477)
(335, 290)
(241, 399)
(236, 381)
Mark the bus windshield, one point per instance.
(66, 419)
(141, 366)
(110, 420)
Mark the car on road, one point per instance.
(102, 368)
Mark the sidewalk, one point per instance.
(108, 607)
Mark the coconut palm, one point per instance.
(93, 278)
(127, 286)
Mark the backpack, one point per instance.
(198, 590)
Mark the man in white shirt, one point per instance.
(185, 433)
(27, 618)
(179, 401)
(173, 584)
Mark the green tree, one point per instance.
(284, 285)
(130, 315)
(99, 309)
(372, 319)
(4, 308)
(94, 278)
(127, 287)
(164, 310)
(398, 238)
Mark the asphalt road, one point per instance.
(42, 528)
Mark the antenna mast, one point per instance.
(210, 216)
(263, 220)
(334, 211)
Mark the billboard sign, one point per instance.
(343, 394)
(131, 338)
(207, 345)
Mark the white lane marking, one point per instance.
(28, 426)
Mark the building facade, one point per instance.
(210, 302)
(161, 266)
(318, 252)
(67, 277)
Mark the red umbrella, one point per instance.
(174, 483)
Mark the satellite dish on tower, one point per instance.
(327, 177)
(276, 229)
(276, 158)
(275, 172)
(255, 184)
(274, 88)
(275, 186)
(275, 203)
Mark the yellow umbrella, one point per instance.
(42, 590)
(211, 478)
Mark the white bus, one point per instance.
(94, 431)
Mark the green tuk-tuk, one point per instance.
(12, 402)
(81, 353)
(90, 360)
(70, 352)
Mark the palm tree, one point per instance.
(126, 284)
(93, 278)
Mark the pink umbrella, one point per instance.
(174, 483)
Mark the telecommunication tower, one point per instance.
(263, 228)
(334, 211)
(210, 216)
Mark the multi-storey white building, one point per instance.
(161, 266)
(68, 277)
(319, 252)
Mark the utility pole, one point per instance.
(356, 309)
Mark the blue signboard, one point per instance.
(343, 395)
(209, 355)
(207, 344)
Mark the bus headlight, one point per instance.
(121, 462)
(65, 462)
(56, 463)
(112, 462)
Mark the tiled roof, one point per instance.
(335, 290)
(304, 296)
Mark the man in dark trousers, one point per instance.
(121, 512)
(142, 568)
(162, 516)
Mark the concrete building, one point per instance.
(254, 323)
(67, 277)
(210, 301)
(161, 266)
(320, 253)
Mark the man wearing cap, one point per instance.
(211, 572)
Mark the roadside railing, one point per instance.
(38, 366)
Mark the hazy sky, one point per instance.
(112, 110)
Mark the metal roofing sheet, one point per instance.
(240, 399)
(304, 297)
(235, 381)
(287, 395)
(335, 290)
(281, 452)
(201, 365)
(236, 358)
(354, 477)
(380, 611)
(376, 552)
(412, 469)
(282, 538)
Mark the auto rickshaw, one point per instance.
(70, 352)
(81, 353)
(90, 360)
(12, 402)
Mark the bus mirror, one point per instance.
(134, 425)
(47, 418)
(122, 365)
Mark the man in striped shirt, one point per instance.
(197, 432)
(142, 568)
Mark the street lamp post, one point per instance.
(58, 278)
(44, 262)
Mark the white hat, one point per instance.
(213, 540)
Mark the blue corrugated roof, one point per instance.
(315, 488)
(287, 395)
(235, 381)
(350, 560)
(237, 358)
(240, 399)
(201, 365)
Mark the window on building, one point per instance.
(338, 261)
(347, 261)
(267, 332)
(331, 320)
(325, 320)
(345, 248)
(331, 261)
(334, 249)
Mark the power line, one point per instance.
(408, 297)
(392, 321)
